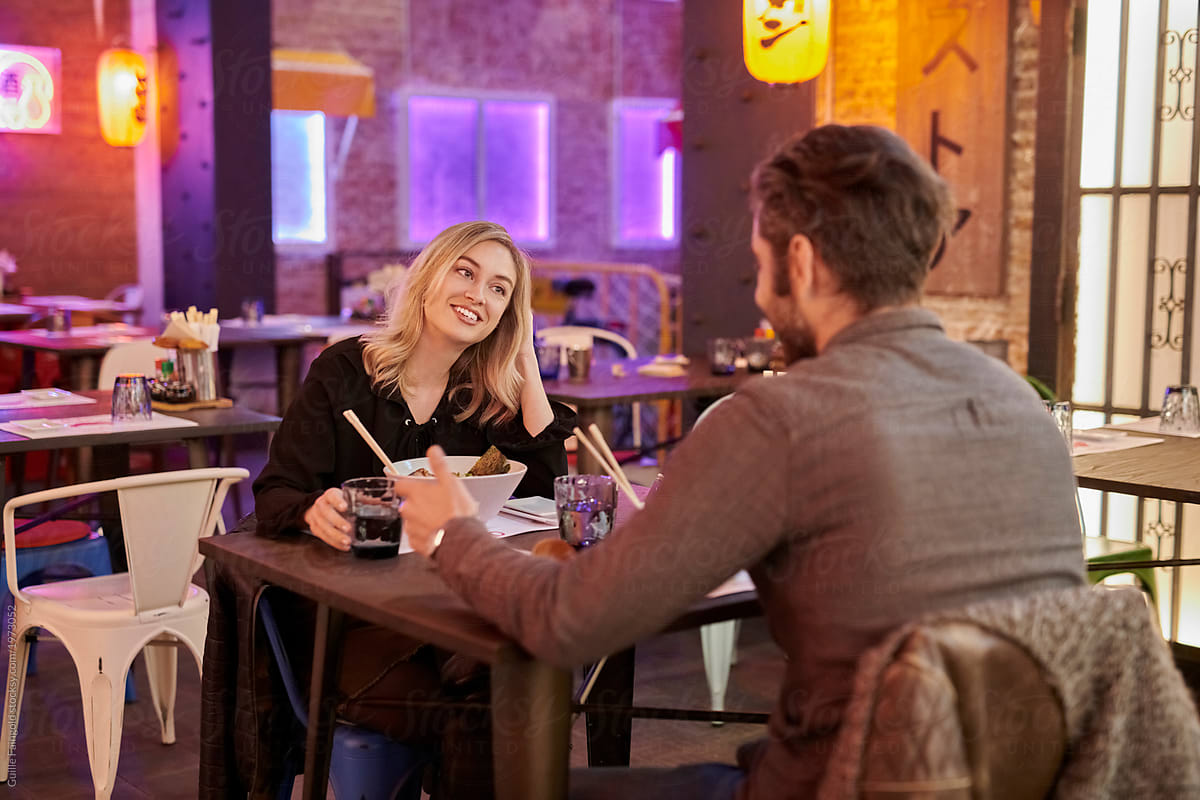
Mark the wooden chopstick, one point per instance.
(609, 463)
(353, 419)
(618, 473)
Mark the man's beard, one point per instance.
(797, 340)
(795, 334)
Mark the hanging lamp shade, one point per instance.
(785, 41)
(318, 80)
(121, 90)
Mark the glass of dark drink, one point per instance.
(374, 510)
(585, 504)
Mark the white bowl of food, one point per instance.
(490, 491)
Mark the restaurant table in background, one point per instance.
(1169, 470)
(68, 303)
(594, 398)
(79, 350)
(287, 334)
(11, 314)
(111, 448)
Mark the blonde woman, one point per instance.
(454, 366)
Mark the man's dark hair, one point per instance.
(873, 210)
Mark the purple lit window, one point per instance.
(298, 197)
(646, 174)
(474, 158)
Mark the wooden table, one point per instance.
(596, 397)
(1169, 470)
(11, 314)
(287, 335)
(530, 700)
(111, 449)
(79, 350)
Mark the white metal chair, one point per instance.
(105, 621)
(718, 640)
(129, 297)
(128, 357)
(579, 335)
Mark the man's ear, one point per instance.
(801, 265)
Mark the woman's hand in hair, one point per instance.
(536, 413)
(325, 521)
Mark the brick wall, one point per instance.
(862, 90)
(577, 52)
(66, 200)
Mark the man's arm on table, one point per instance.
(722, 508)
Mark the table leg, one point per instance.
(602, 418)
(531, 729)
(28, 369)
(198, 453)
(287, 374)
(609, 737)
(84, 371)
(112, 461)
(327, 662)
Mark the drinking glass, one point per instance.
(758, 354)
(722, 355)
(549, 358)
(1180, 410)
(586, 504)
(579, 362)
(1061, 411)
(131, 398)
(373, 508)
(252, 310)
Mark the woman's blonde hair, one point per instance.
(487, 370)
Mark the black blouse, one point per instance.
(316, 448)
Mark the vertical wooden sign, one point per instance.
(952, 108)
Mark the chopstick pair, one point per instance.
(353, 419)
(601, 452)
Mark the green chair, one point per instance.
(1099, 550)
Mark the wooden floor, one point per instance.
(52, 760)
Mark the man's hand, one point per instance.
(429, 505)
(324, 518)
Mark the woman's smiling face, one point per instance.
(472, 297)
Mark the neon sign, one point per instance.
(29, 78)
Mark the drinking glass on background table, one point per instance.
(252, 310)
(586, 504)
(1180, 410)
(549, 358)
(722, 355)
(373, 508)
(1061, 411)
(758, 354)
(131, 398)
(579, 362)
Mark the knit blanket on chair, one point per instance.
(1132, 726)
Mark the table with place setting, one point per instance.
(57, 419)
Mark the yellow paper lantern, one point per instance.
(121, 87)
(785, 41)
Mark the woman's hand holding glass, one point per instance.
(325, 520)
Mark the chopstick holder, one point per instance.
(353, 419)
